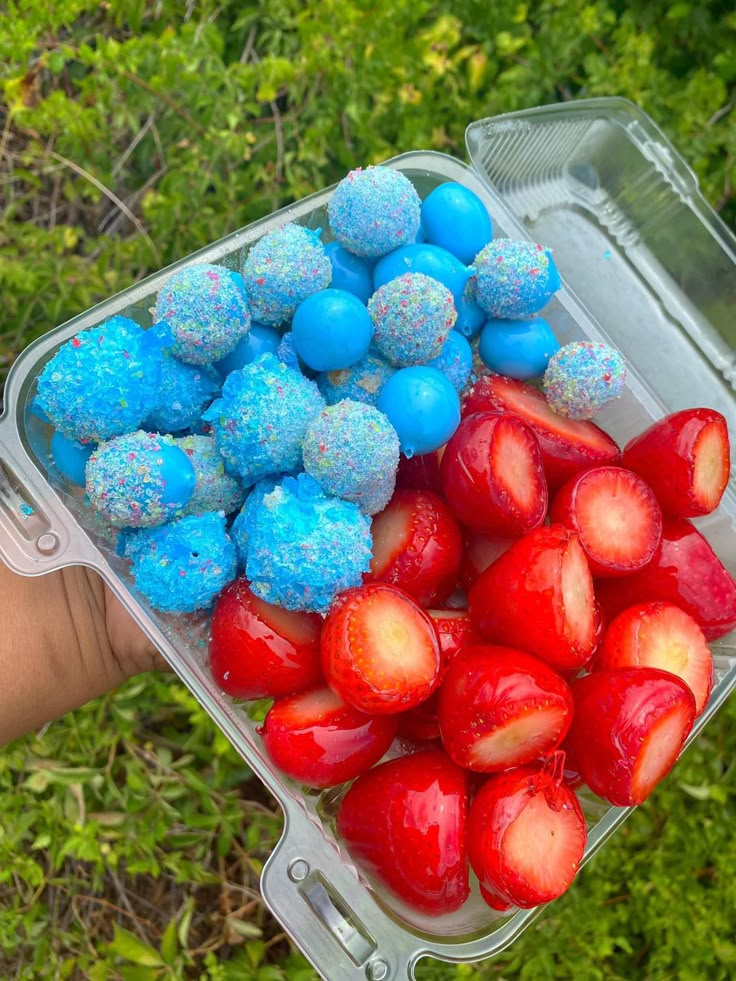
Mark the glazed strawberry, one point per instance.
(629, 727)
(420, 472)
(492, 475)
(526, 836)
(258, 650)
(417, 546)
(567, 445)
(380, 652)
(685, 459)
(616, 516)
(499, 707)
(479, 551)
(405, 822)
(316, 738)
(660, 635)
(538, 596)
(685, 571)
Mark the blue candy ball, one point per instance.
(244, 518)
(373, 211)
(71, 457)
(422, 406)
(430, 260)
(517, 348)
(514, 279)
(331, 330)
(259, 340)
(214, 489)
(362, 382)
(470, 316)
(206, 310)
(455, 360)
(412, 317)
(456, 219)
(351, 273)
(184, 392)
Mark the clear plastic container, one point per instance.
(647, 266)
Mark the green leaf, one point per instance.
(251, 931)
(169, 944)
(185, 922)
(132, 948)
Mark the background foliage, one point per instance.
(133, 132)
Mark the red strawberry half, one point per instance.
(568, 446)
(421, 472)
(616, 516)
(479, 551)
(685, 459)
(380, 652)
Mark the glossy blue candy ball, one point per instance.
(351, 273)
(455, 360)
(71, 457)
(260, 339)
(428, 259)
(456, 218)
(517, 348)
(470, 316)
(423, 408)
(331, 330)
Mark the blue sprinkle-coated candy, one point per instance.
(244, 519)
(214, 489)
(455, 361)
(582, 377)
(456, 218)
(139, 480)
(514, 279)
(373, 211)
(412, 317)
(206, 311)
(351, 273)
(285, 267)
(71, 457)
(423, 408)
(431, 260)
(331, 330)
(184, 392)
(353, 451)
(518, 348)
(470, 316)
(286, 352)
(183, 566)
(305, 548)
(260, 420)
(362, 382)
(101, 383)
(259, 340)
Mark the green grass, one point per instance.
(132, 133)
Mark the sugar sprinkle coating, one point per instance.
(286, 352)
(353, 451)
(455, 361)
(244, 518)
(412, 317)
(206, 309)
(374, 210)
(183, 566)
(582, 377)
(139, 480)
(215, 489)
(260, 420)
(102, 382)
(285, 267)
(305, 548)
(361, 382)
(514, 278)
(184, 392)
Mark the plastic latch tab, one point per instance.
(337, 918)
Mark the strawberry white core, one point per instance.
(659, 751)
(391, 531)
(519, 740)
(299, 628)
(711, 465)
(513, 466)
(577, 597)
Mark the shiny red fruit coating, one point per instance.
(629, 728)
(492, 475)
(567, 445)
(317, 739)
(499, 708)
(685, 571)
(526, 836)
(258, 650)
(538, 597)
(420, 472)
(417, 546)
(405, 821)
(480, 551)
(685, 458)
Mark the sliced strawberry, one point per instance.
(538, 597)
(660, 635)
(380, 652)
(616, 515)
(479, 551)
(629, 727)
(526, 836)
(316, 738)
(417, 546)
(567, 445)
(685, 459)
(420, 472)
(685, 571)
(421, 724)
